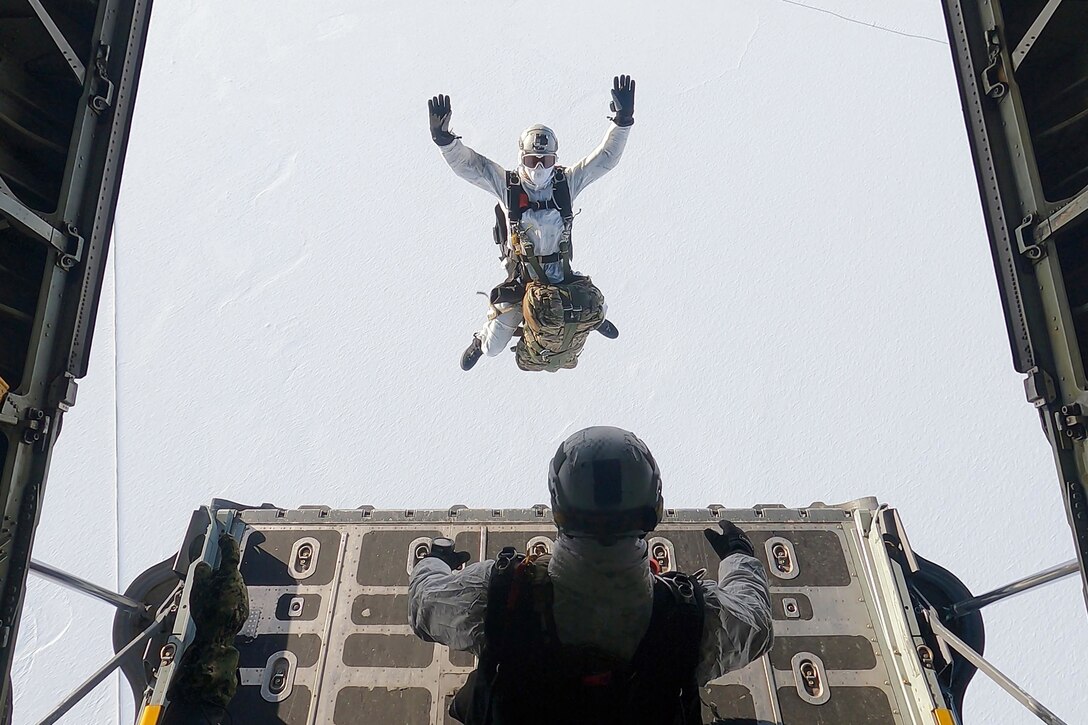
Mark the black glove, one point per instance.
(730, 541)
(623, 100)
(440, 112)
(442, 549)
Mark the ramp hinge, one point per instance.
(102, 88)
(995, 80)
(1039, 387)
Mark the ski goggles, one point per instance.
(533, 160)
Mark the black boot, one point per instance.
(609, 330)
(472, 355)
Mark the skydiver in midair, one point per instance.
(537, 199)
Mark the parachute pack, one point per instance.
(526, 676)
(558, 316)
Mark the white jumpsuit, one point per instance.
(542, 227)
(604, 599)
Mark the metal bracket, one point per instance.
(1072, 421)
(62, 393)
(1039, 387)
(36, 428)
(72, 252)
(1026, 241)
(1033, 33)
(995, 81)
(68, 244)
(102, 87)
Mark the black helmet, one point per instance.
(605, 484)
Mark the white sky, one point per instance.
(792, 248)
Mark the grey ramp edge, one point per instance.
(372, 668)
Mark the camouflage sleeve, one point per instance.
(737, 627)
(600, 161)
(449, 607)
(475, 168)
(219, 604)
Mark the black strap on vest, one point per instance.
(526, 676)
(518, 202)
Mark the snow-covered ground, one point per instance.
(792, 248)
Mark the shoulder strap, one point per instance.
(669, 653)
(561, 196)
(561, 193)
(519, 604)
(516, 198)
(517, 201)
(687, 597)
(499, 233)
(519, 663)
(499, 592)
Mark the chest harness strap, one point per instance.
(518, 202)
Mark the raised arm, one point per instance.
(606, 156)
(474, 168)
(737, 628)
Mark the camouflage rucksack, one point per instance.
(558, 319)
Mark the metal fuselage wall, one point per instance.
(1022, 70)
(68, 77)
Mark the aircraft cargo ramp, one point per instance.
(327, 639)
(858, 641)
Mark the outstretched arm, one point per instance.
(448, 606)
(737, 627)
(605, 157)
(474, 168)
(600, 161)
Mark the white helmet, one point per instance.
(538, 144)
(538, 139)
